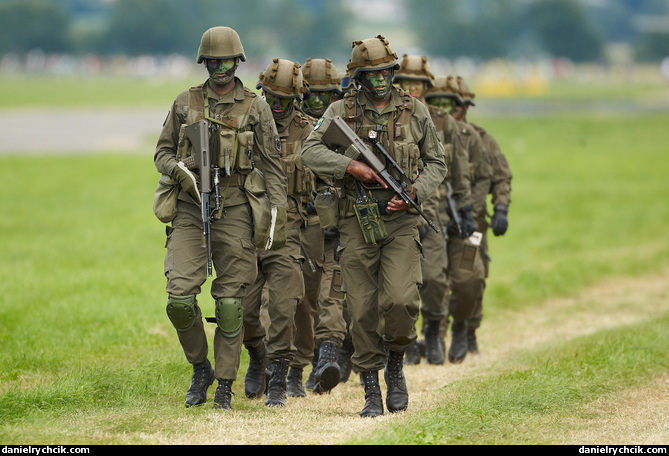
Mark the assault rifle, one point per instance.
(339, 134)
(452, 208)
(198, 134)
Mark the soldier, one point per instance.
(467, 281)
(379, 254)
(415, 77)
(242, 133)
(329, 325)
(283, 86)
(500, 189)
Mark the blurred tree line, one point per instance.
(481, 29)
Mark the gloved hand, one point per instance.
(468, 222)
(499, 221)
(276, 234)
(422, 232)
(310, 208)
(187, 181)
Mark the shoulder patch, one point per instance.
(318, 124)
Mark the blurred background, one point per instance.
(505, 47)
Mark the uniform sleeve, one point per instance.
(316, 156)
(500, 184)
(431, 153)
(267, 140)
(166, 149)
(459, 167)
(482, 171)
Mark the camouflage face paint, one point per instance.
(414, 87)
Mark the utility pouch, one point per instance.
(245, 151)
(165, 199)
(327, 208)
(470, 251)
(256, 192)
(369, 217)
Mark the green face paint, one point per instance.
(319, 100)
(221, 71)
(445, 103)
(277, 104)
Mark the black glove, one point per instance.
(499, 221)
(311, 208)
(422, 232)
(467, 220)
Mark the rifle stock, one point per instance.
(452, 208)
(339, 134)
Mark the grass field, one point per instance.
(88, 356)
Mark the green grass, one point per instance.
(84, 335)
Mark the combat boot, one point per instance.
(458, 350)
(276, 389)
(223, 395)
(373, 400)
(434, 352)
(256, 377)
(397, 396)
(412, 355)
(311, 379)
(344, 359)
(203, 377)
(294, 386)
(327, 370)
(472, 344)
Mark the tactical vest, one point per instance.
(231, 141)
(396, 137)
(300, 180)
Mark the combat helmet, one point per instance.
(321, 75)
(220, 43)
(371, 54)
(283, 78)
(444, 86)
(415, 67)
(466, 94)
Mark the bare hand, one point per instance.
(364, 173)
(398, 204)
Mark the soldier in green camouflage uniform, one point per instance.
(414, 76)
(500, 189)
(467, 284)
(329, 324)
(283, 86)
(381, 271)
(241, 125)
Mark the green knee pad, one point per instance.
(181, 311)
(229, 316)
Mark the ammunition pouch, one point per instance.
(327, 208)
(369, 217)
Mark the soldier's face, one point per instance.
(277, 104)
(444, 103)
(378, 82)
(414, 87)
(221, 71)
(458, 111)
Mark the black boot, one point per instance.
(276, 390)
(373, 400)
(458, 350)
(311, 379)
(327, 370)
(433, 349)
(344, 359)
(223, 395)
(294, 386)
(397, 397)
(203, 377)
(255, 380)
(412, 354)
(472, 344)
